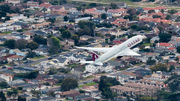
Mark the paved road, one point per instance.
(45, 59)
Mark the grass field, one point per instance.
(88, 84)
(39, 57)
(146, 44)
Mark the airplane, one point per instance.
(113, 52)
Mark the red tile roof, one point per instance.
(90, 10)
(172, 48)
(117, 21)
(178, 13)
(45, 5)
(154, 8)
(164, 44)
(15, 56)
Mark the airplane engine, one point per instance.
(136, 50)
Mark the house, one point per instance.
(142, 72)
(14, 58)
(8, 73)
(66, 94)
(3, 60)
(156, 9)
(22, 70)
(174, 64)
(14, 1)
(161, 75)
(154, 39)
(32, 4)
(39, 32)
(17, 52)
(117, 41)
(117, 12)
(45, 5)
(120, 22)
(121, 5)
(97, 20)
(61, 61)
(116, 32)
(41, 51)
(40, 25)
(164, 45)
(2, 40)
(85, 37)
(7, 78)
(97, 69)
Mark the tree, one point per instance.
(168, 17)
(178, 49)
(131, 12)
(104, 86)
(66, 34)
(56, 42)
(165, 37)
(134, 26)
(151, 11)
(106, 9)
(156, 16)
(32, 45)
(2, 96)
(78, 8)
(31, 54)
(171, 68)
(66, 18)
(54, 50)
(4, 84)
(52, 71)
(21, 98)
(11, 43)
(112, 37)
(39, 39)
(103, 16)
(20, 30)
(172, 11)
(145, 98)
(113, 5)
(21, 44)
(62, 2)
(7, 18)
(161, 28)
(83, 9)
(150, 62)
(75, 37)
(68, 84)
(62, 29)
(159, 67)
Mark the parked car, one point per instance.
(3, 67)
(50, 58)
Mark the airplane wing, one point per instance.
(128, 52)
(95, 49)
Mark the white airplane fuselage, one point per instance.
(115, 51)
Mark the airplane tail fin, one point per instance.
(94, 55)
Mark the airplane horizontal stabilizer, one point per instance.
(89, 62)
(99, 63)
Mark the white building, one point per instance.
(7, 78)
(96, 69)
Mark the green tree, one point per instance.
(159, 67)
(104, 86)
(21, 98)
(4, 84)
(68, 84)
(75, 37)
(21, 44)
(31, 54)
(131, 12)
(52, 71)
(134, 26)
(168, 17)
(171, 68)
(66, 18)
(103, 16)
(145, 98)
(40, 40)
(106, 9)
(178, 49)
(32, 45)
(172, 11)
(62, 29)
(56, 42)
(20, 30)
(165, 37)
(66, 34)
(11, 43)
(151, 11)
(2, 96)
(54, 50)
(78, 8)
(51, 94)
(161, 28)
(112, 37)
(113, 5)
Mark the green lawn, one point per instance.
(146, 44)
(89, 77)
(9, 32)
(89, 84)
(72, 65)
(39, 57)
